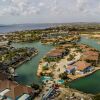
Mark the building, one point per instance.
(49, 94)
(83, 67)
(3, 76)
(3, 43)
(71, 69)
(15, 90)
(91, 56)
(57, 53)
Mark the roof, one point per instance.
(81, 65)
(24, 97)
(93, 53)
(3, 76)
(70, 67)
(15, 89)
(4, 92)
(65, 46)
(90, 57)
(56, 52)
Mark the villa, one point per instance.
(57, 53)
(70, 69)
(91, 56)
(80, 67)
(15, 90)
(83, 67)
(3, 43)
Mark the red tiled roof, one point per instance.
(3, 76)
(70, 67)
(91, 53)
(81, 65)
(16, 89)
(90, 57)
(56, 52)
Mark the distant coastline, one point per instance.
(24, 27)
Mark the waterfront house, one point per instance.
(91, 56)
(57, 53)
(16, 90)
(93, 53)
(3, 76)
(83, 67)
(71, 69)
(3, 43)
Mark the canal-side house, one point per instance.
(91, 56)
(57, 54)
(12, 90)
(83, 67)
(70, 69)
(3, 43)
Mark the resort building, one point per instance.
(57, 53)
(80, 67)
(71, 69)
(3, 43)
(13, 90)
(91, 56)
(83, 67)
(49, 94)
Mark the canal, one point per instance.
(89, 84)
(27, 71)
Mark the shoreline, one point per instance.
(20, 63)
(93, 36)
(87, 74)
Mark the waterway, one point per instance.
(27, 71)
(23, 27)
(89, 84)
(91, 42)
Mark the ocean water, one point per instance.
(22, 27)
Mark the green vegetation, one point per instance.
(51, 59)
(63, 75)
(45, 68)
(71, 57)
(96, 97)
(35, 86)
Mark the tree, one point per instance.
(63, 75)
(96, 97)
(35, 86)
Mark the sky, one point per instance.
(49, 11)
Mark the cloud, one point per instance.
(41, 4)
(58, 9)
(19, 7)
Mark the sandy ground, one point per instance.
(97, 35)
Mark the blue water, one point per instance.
(91, 42)
(21, 27)
(28, 71)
